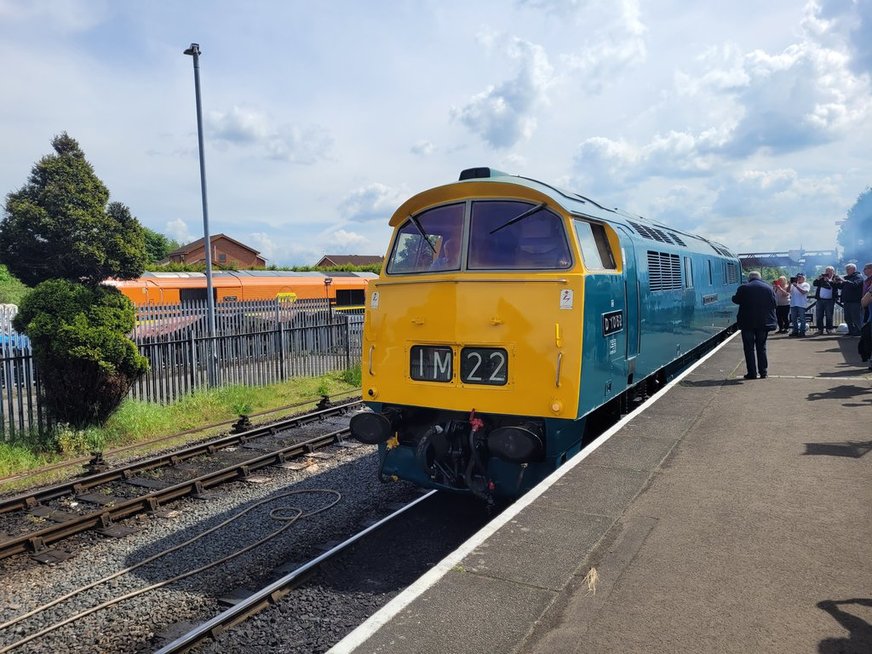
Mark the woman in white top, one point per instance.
(782, 304)
(799, 289)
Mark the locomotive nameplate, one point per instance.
(430, 363)
(484, 365)
(613, 322)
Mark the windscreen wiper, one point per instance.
(528, 212)
(423, 233)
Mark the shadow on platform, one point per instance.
(853, 449)
(844, 392)
(703, 383)
(859, 638)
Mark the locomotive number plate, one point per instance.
(430, 363)
(484, 365)
(613, 322)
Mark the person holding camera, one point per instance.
(756, 319)
(799, 289)
(825, 295)
(782, 304)
(851, 292)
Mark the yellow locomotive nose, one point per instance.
(457, 343)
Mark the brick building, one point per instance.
(330, 260)
(225, 252)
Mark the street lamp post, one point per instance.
(194, 51)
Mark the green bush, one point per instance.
(79, 336)
(351, 376)
(74, 441)
(12, 291)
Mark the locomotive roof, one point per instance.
(570, 201)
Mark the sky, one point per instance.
(746, 122)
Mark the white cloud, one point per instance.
(618, 43)
(423, 148)
(371, 202)
(504, 114)
(607, 163)
(178, 230)
(249, 127)
(800, 97)
(759, 103)
(342, 241)
(65, 16)
(748, 131)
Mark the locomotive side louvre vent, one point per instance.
(660, 235)
(656, 234)
(732, 273)
(724, 252)
(664, 271)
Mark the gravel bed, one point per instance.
(17, 523)
(346, 591)
(132, 625)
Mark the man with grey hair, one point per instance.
(826, 292)
(756, 319)
(851, 288)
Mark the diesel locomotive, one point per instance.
(508, 311)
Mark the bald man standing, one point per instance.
(756, 319)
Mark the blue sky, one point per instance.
(748, 122)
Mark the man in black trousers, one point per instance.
(756, 319)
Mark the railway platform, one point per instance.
(726, 516)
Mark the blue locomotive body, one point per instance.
(508, 312)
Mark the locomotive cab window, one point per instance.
(512, 235)
(429, 242)
(595, 248)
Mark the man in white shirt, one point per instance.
(799, 289)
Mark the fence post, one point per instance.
(193, 343)
(347, 342)
(281, 334)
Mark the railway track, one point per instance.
(21, 477)
(275, 591)
(106, 490)
(124, 592)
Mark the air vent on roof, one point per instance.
(644, 231)
(656, 234)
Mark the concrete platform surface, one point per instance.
(727, 516)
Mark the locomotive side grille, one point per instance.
(655, 234)
(731, 273)
(664, 271)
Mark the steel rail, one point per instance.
(104, 517)
(272, 593)
(33, 472)
(35, 497)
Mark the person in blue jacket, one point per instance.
(756, 319)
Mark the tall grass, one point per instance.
(137, 421)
